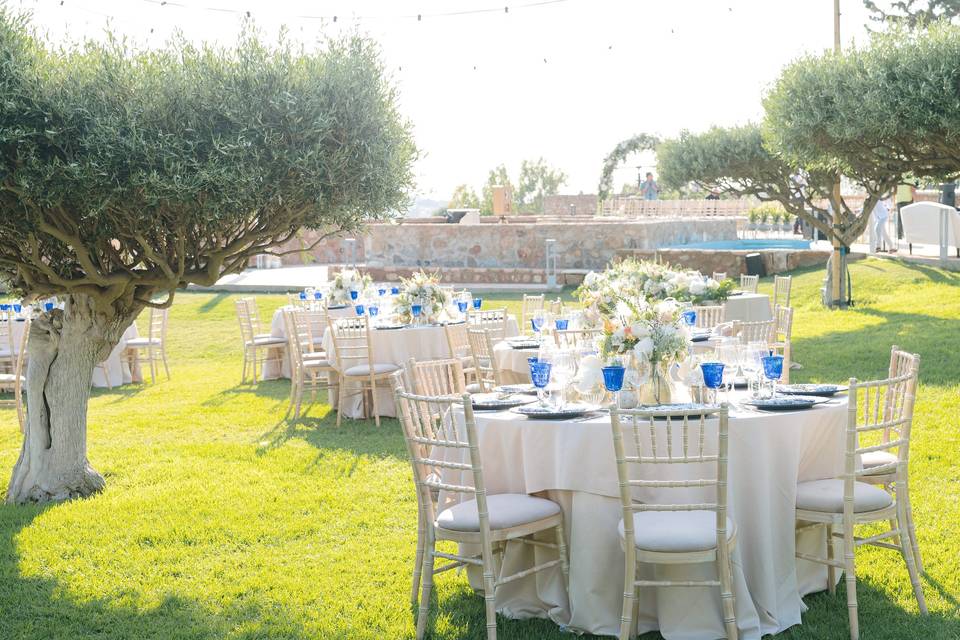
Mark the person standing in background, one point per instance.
(881, 212)
(903, 196)
(649, 189)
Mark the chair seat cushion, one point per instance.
(827, 496)
(675, 531)
(316, 362)
(268, 340)
(9, 378)
(143, 342)
(474, 387)
(364, 369)
(877, 459)
(506, 510)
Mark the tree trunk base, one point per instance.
(29, 486)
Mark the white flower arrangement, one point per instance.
(423, 289)
(346, 281)
(652, 333)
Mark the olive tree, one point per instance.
(127, 175)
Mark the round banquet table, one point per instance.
(572, 463)
(115, 366)
(747, 307)
(398, 346)
(271, 368)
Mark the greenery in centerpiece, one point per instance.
(631, 280)
(346, 281)
(423, 289)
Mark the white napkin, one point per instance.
(589, 375)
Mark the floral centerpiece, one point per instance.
(423, 289)
(696, 288)
(650, 336)
(348, 280)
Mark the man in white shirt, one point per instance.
(880, 214)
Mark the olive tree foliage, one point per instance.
(634, 144)
(892, 107)
(737, 161)
(127, 175)
(912, 13)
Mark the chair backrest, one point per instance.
(554, 306)
(754, 331)
(719, 275)
(157, 329)
(6, 333)
(246, 322)
(782, 326)
(457, 340)
(437, 377)
(493, 320)
(709, 316)
(293, 300)
(351, 341)
(531, 305)
(661, 439)
(781, 290)
(481, 345)
(749, 283)
(298, 338)
(433, 438)
(884, 406)
(253, 312)
(901, 363)
(576, 338)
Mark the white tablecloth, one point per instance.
(922, 224)
(115, 365)
(397, 346)
(573, 464)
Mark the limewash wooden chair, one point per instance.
(487, 521)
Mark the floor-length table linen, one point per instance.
(398, 346)
(572, 463)
(116, 366)
(747, 307)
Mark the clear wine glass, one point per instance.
(564, 369)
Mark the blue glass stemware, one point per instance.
(381, 292)
(540, 376)
(373, 310)
(561, 324)
(462, 306)
(690, 317)
(416, 309)
(394, 291)
(359, 309)
(48, 306)
(303, 295)
(537, 324)
(17, 307)
(772, 369)
(613, 380)
(317, 295)
(712, 376)
(477, 303)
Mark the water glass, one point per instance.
(359, 309)
(561, 324)
(712, 376)
(354, 294)
(613, 380)
(462, 306)
(537, 323)
(772, 369)
(373, 310)
(540, 376)
(690, 317)
(416, 309)
(477, 304)
(564, 365)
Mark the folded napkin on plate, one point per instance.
(589, 375)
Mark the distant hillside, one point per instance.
(424, 207)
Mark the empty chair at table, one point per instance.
(877, 464)
(838, 505)
(577, 338)
(152, 348)
(459, 345)
(357, 363)
(436, 377)
(781, 290)
(749, 283)
(481, 345)
(780, 338)
(709, 316)
(493, 320)
(532, 306)
(662, 530)
(310, 369)
(15, 381)
(447, 466)
(754, 331)
(258, 348)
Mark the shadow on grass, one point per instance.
(213, 302)
(278, 390)
(865, 352)
(41, 608)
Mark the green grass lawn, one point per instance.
(221, 520)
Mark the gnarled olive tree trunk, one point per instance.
(64, 348)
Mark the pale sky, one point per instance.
(565, 80)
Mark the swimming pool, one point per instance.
(759, 244)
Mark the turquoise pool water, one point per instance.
(746, 245)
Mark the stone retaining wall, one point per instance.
(733, 263)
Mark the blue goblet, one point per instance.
(373, 310)
(354, 294)
(540, 376)
(537, 324)
(477, 304)
(712, 376)
(561, 324)
(613, 380)
(381, 292)
(359, 309)
(4, 307)
(416, 309)
(303, 295)
(772, 369)
(17, 307)
(48, 306)
(394, 291)
(317, 295)
(462, 306)
(690, 317)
